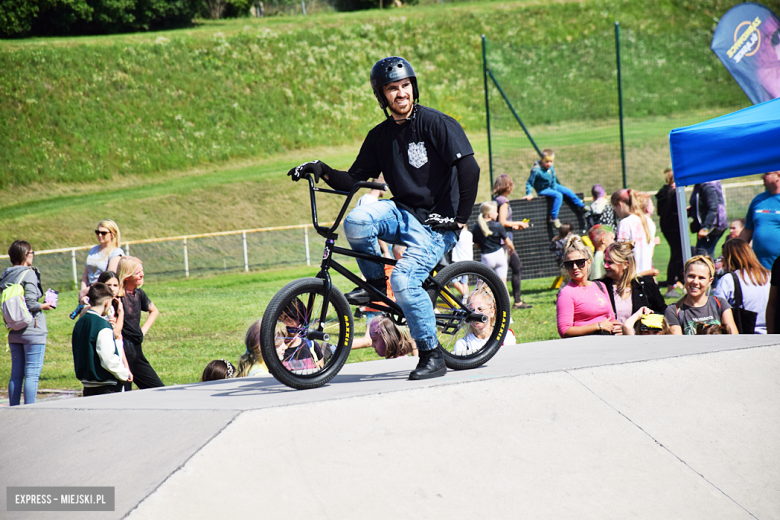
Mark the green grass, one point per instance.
(82, 109)
(205, 319)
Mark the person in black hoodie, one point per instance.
(670, 227)
(628, 292)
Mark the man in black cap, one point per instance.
(429, 165)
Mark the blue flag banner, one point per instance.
(747, 41)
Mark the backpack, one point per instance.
(15, 312)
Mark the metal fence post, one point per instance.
(186, 261)
(303, 7)
(75, 270)
(246, 257)
(306, 242)
(487, 105)
(620, 102)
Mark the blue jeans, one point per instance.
(557, 194)
(385, 221)
(26, 364)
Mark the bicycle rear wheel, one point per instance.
(470, 288)
(301, 349)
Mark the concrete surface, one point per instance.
(642, 427)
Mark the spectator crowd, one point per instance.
(611, 282)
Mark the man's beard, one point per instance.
(406, 114)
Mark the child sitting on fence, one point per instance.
(546, 184)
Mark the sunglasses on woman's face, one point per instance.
(569, 264)
(102, 233)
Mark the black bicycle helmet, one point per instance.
(388, 70)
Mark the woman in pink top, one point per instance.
(583, 307)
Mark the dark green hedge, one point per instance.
(19, 18)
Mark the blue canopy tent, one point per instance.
(745, 142)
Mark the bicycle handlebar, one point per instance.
(381, 186)
(328, 232)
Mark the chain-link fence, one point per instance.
(192, 255)
(567, 97)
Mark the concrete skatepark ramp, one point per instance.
(636, 427)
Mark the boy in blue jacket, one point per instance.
(545, 183)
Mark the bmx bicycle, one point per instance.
(307, 329)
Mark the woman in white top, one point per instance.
(753, 279)
(636, 227)
(103, 257)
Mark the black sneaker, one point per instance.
(360, 296)
(431, 365)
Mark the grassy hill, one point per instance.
(83, 109)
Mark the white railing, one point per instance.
(282, 248)
(183, 239)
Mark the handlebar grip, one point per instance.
(374, 185)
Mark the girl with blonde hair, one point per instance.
(697, 306)
(746, 275)
(481, 301)
(251, 362)
(134, 301)
(635, 226)
(389, 341)
(488, 235)
(104, 256)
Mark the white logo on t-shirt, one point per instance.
(418, 155)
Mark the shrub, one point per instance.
(16, 17)
(76, 17)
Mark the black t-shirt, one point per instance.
(417, 159)
(492, 243)
(134, 303)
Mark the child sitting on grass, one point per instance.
(544, 181)
(481, 302)
(644, 323)
(217, 370)
(96, 358)
(251, 363)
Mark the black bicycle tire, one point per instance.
(503, 313)
(268, 325)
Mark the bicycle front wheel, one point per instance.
(472, 314)
(301, 347)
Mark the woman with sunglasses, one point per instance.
(103, 257)
(628, 292)
(583, 307)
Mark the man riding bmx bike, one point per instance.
(429, 165)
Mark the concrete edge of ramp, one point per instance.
(162, 430)
(383, 376)
(683, 437)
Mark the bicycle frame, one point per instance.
(387, 305)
